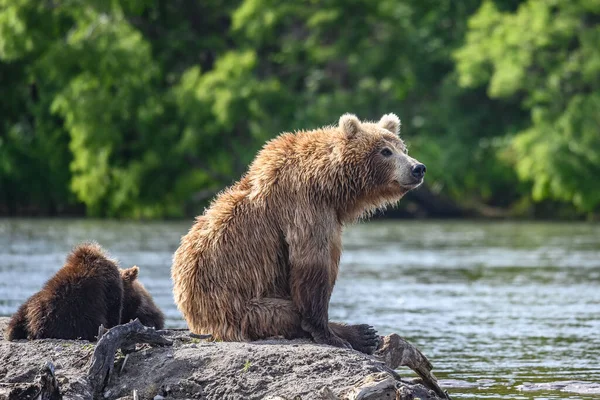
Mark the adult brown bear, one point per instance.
(263, 259)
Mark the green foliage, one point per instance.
(546, 56)
(371, 56)
(146, 108)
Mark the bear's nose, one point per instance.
(418, 171)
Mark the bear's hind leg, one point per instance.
(361, 337)
(151, 316)
(268, 317)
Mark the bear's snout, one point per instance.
(418, 171)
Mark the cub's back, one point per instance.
(75, 301)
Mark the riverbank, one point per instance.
(422, 203)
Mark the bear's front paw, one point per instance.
(364, 338)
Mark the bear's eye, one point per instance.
(386, 152)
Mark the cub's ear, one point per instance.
(130, 274)
(391, 122)
(349, 124)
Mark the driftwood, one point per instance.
(45, 387)
(120, 337)
(396, 352)
(376, 386)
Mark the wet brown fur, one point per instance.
(137, 302)
(86, 292)
(263, 259)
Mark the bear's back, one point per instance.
(231, 240)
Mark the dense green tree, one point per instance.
(146, 108)
(545, 55)
(146, 129)
(369, 57)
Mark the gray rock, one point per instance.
(282, 369)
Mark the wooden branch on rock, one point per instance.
(109, 341)
(48, 383)
(45, 387)
(396, 351)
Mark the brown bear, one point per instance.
(263, 259)
(85, 293)
(89, 290)
(137, 302)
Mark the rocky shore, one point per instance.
(180, 365)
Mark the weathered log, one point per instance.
(376, 386)
(109, 341)
(396, 351)
(45, 387)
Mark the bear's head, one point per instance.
(131, 294)
(377, 166)
(130, 275)
(137, 302)
(355, 167)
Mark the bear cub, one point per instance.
(137, 302)
(88, 291)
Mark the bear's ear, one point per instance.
(391, 122)
(130, 274)
(349, 124)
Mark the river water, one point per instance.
(503, 310)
